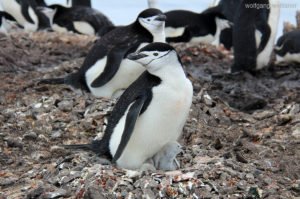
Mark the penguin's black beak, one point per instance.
(161, 17)
(136, 56)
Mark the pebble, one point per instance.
(14, 143)
(65, 106)
(56, 194)
(296, 131)
(264, 114)
(56, 134)
(7, 181)
(40, 155)
(30, 136)
(249, 176)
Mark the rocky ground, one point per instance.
(242, 138)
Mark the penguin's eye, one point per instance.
(155, 54)
(148, 19)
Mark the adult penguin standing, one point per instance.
(254, 32)
(151, 112)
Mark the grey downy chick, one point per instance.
(165, 159)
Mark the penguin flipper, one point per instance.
(266, 30)
(114, 59)
(132, 115)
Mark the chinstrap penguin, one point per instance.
(78, 19)
(150, 113)
(106, 72)
(187, 26)
(254, 34)
(287, 48)
(26, 14)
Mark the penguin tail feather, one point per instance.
(52, 81)
(97, 146)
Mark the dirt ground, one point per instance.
(242, 138)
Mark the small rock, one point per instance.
(249, 176)
(93, 192)
(7, 181)
(40, 155)
(171, 192)
(65, 106)
(296, 187)
(208, 100)
(254, 192)
(264, 114)
(30, 136)
(56, 194)
(296, 131)
(295, 109)
(283, 119)
(218, 145)
(14, 143)
(56, 134)
(242, 185)
(35, 193)
(58, 150)
(240, 157)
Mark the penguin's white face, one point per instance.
(152, 60)
(153, 24)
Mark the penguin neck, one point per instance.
(159, 35)
(171, 71)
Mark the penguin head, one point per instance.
(153, 20)
(172, 149)
(155, 56)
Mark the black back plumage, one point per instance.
(141, 87)
(196, 24)
(128, 37)
(288, 43)
(66, 16)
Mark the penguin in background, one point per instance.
(254, 34)
(228, 8)
(78, 19)
(287, 48)
(26, 14)
(106, 72)
(187, 26)
(150, 113)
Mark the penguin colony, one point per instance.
(134, 64)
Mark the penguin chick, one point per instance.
(106, 70)
(151, 112)
(165, 159)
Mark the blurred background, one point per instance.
(125, 11)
